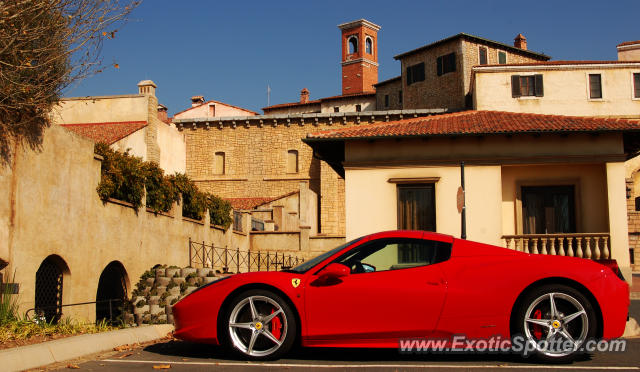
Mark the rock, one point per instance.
(150, 281)
(172, 272)
(174, 291)
(161, 272)
(187, 270)
(141, 309)
(169, 318)
(162, 319)
(154, 300)
(190, 289)
(155, 309)
(167, 309)
(202, 272)
(161, 290)
(163, 281)
(178, 281)
(138, 299)
(191, 281)
(209, 279)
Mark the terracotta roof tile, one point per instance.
(251, 203)
(479, 123)
(109, 133)
(315, 102)
(558, 63)
(629, 43)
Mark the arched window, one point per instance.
(218, 165)
(353, 44)
(292, 161)
(368, 45)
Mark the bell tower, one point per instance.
(359, 56)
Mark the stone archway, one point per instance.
(49, 285)
(111, 286)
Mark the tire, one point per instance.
(265, 332)
(545, 328)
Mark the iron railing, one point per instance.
(38, 312)
(226, 259)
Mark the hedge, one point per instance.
(125, 177)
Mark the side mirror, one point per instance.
(334, 270)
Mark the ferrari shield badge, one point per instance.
(295, 282)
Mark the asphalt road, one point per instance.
(184, 356)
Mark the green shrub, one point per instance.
(8, 302)
(125, 177)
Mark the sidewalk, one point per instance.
(37, 355)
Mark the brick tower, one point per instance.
(359, 56)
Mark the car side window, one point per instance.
(394, 254)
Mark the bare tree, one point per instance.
(46, 46)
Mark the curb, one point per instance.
(37, 355)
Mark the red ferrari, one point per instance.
(386, 287)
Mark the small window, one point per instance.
(417, 207)
(400, 97)
(368, 46)
(446, 64)
(386, 100)
(212, 110)
(353, 44)
(483, 55)
(595, 86)
(502, 57)
(415, 73)
(219, 163)
(529, 85)
(636, 85)
(292, 161)
(336, 109)
(358, 108)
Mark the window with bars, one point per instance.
(446, 64)
(528, 85)
(636, 85)
(415, 73)
(595, 86)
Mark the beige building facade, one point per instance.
(581, 88)
(510, 178)
(124, 122)
(629, 51)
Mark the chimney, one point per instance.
(162, 113)
(147, 87)
(197, 101)
(520, 42)
(304, 95)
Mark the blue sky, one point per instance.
(231, 50)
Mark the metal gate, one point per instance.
(49, 291)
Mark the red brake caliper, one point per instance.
(537, 329)
(276, 326)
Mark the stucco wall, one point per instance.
(566, 91)
(101, 109)
(219, 108)
(349, 104)
(629, 52)
(135, 143)
(51, 207)
(173, 149)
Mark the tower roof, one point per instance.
(360, 22)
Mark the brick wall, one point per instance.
(392, 89)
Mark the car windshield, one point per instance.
(308, 265)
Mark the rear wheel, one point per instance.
(556, 321)
(259, 325)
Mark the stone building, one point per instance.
(438, 75)
(211, 108)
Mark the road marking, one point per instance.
(282, 365)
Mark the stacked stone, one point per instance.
(158, 294)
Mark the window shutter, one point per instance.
(515, 86)
(439, 66)
(409, 77)
(452, 60)
(538, 84)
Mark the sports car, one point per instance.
(377, 290)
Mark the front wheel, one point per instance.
(555, 322)
(259, 325)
